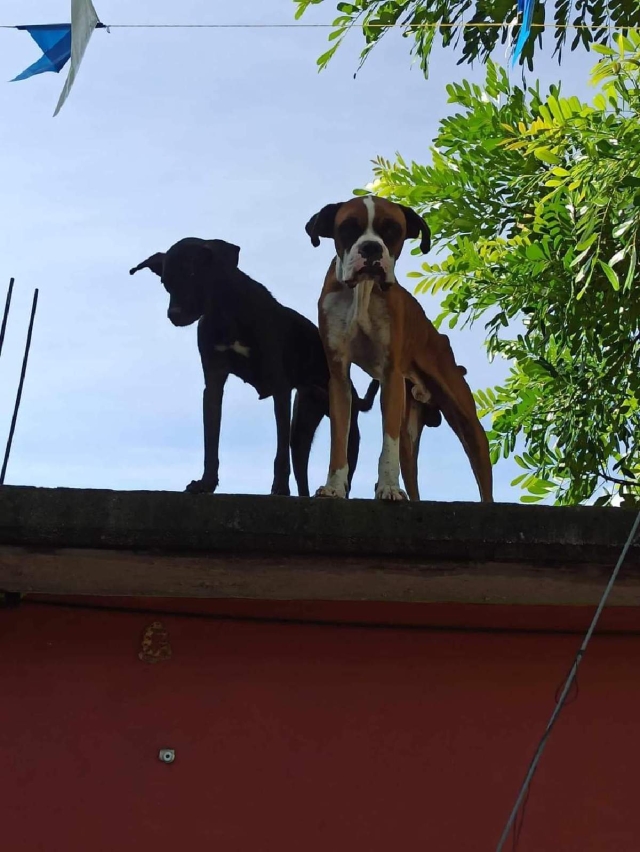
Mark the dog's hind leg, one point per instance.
(309, 407)
(410, 434)
(455, 400)
(211, 416)
(282, 466)
(353, 441)
(358, 405)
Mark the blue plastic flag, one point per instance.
(526, 8)
(55, 42)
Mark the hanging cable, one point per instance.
(524, 789)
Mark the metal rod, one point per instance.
(20, 386)
(5, 316)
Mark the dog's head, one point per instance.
(368, 233)
(188, 271)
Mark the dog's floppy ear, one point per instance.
(417, 227)
(225, 252)
(155, 263)
(321, 225)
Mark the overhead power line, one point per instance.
(303, 26)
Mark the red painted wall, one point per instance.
(307, 737)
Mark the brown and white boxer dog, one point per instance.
(368, 319)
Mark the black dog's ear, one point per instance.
(155, 263)
(417, 227)
(321, 225)
(225, 252)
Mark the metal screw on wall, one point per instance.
(167, 755)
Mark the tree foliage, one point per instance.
(534, 203)
(581, 24)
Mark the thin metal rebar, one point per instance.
(20, 386)
(5, 316)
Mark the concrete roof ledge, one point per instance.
(95, 542)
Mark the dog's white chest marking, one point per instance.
(357, 324)
(236, 346)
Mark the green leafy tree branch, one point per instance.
(487, 23)
(534, 203)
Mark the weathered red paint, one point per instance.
(307, 737)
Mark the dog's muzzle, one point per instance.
(179, 318)
(371, 251)
(368, 260)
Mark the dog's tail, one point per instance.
(366, 402)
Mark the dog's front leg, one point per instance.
(211, 416)
(392, 401)
(281, 466)
(340, 416)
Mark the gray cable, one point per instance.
(481, 25)
(567, 686)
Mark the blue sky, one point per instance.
(171, 133)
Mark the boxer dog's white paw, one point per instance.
(330, 491)
(390, 492)
(337, 484)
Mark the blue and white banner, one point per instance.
(525, 7)
(61, 42)
(54, 40)
(84, 21)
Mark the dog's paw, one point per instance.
(390, 492)
(201, 486)
(330, 491)
(280, 490)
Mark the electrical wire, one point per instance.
(562, 699)
(289, 26)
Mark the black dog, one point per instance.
(243, 330)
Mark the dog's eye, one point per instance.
(349, 230)
(390, 229)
